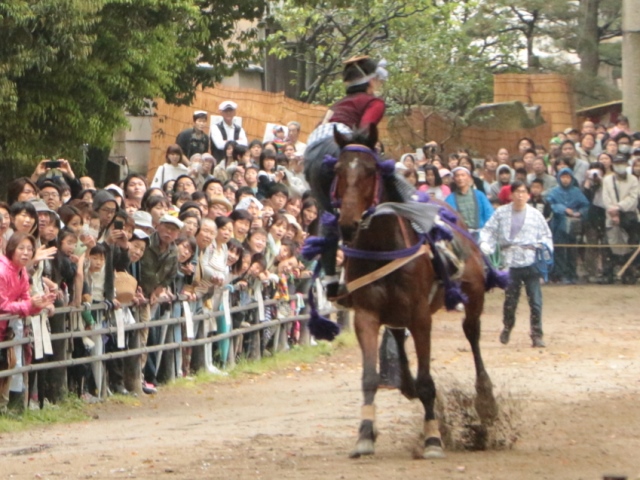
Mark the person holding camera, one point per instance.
(620, 197)
(59, 172)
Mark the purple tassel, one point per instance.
(453, 296)
(423, 197)
(387, 168)
(448, 216)
(313, 246)
(496, 279)
(320, 327)
(439, 232)
(330, 161)
(329, 220)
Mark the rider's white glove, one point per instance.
(486, 248)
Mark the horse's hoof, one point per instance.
(363, 447)
(433, 451)
(433, 448)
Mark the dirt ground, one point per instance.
(578, 402)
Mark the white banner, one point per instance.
(188, 317)
(119, 316)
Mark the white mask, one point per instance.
(624, 148)
(620, 169)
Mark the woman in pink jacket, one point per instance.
(15, 300)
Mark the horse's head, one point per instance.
(357, 180)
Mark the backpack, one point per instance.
(544, 261)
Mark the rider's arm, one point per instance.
(373, 113)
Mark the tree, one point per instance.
(321, 34)
(71, 68)
(432, 61)
(555, 34)
(431, 58)
(524, 25)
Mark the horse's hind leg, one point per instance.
(485, 402)
(426, 388)
(367, 326)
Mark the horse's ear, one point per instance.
(340, 139)
(372, 138)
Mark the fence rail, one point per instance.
(172, 321)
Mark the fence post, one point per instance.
(343, 318)
(55, 380)
(132, 370)
(197, 352)
(166, 369)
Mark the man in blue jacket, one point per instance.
(472, 205)
(569, 207)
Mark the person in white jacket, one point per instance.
(620, 197)
(171, 169)
(519, 229)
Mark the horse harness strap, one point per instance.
(405, 233)
(386, 269)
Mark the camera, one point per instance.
(53, 164)
(429, 150)
(118, 225)
(593, 173)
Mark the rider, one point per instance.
(359, 109)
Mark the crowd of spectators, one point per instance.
(223, 220)
(584, 182)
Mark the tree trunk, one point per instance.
(301, 72)
(588, 42)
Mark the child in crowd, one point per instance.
(537, 201)
(279, 137)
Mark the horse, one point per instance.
(405, 298)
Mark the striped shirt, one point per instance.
(326, 131)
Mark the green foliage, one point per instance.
(321, 34)
(432, 60)
(70, 68)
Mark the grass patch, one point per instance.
(73, 409)
(68, 411)
(294, 356)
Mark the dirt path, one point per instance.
(578, 400)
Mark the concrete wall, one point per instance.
(133, 143)
(631, 62)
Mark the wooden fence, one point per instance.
(401, 133)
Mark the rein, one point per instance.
(383, 255)
(384, 168)
(397, 258)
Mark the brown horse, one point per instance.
(405, 298)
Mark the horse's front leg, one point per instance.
(367, 326)
(485, 402)
(426, 388)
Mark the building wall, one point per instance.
(551, 91)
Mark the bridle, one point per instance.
(384, 169)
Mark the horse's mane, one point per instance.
(362, 136)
